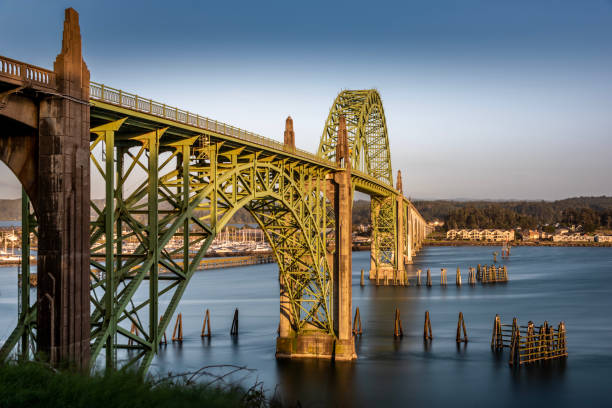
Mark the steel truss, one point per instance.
(370, 155)
(192, 189)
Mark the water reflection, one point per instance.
(554, 284)
(315, 383)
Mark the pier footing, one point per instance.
(315, 345)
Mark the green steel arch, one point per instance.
(367, 133)
(192, 190)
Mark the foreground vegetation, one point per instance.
(36, 385)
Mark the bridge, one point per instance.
(171, 177)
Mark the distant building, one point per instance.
(603, 238)
(531, 235)
(495, 235)
(575, 237)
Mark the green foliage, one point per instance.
(590, 212)
(35, 385)
(361, 212)
(489, 217)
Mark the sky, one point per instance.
(484, 99)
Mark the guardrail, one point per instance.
(26, 72)
(132, 101)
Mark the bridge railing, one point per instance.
(131, 101)
(26, 72)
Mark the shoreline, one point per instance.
(520, 243)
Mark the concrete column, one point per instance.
(63, 208)
(374, 213)
(285, 343)
(345, 346)
(401, 231)
(289, 135)
(409, 227)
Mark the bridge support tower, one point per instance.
(315, 343)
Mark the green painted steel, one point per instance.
(367, 133)
(370, 154)
(192, 188)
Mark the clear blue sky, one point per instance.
(484, 99)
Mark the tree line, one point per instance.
(590, 212)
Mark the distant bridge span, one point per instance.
(173, 176)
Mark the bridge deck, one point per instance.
(108, 102)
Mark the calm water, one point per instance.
(570, 284)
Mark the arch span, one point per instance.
(198, 185)
(367, 133)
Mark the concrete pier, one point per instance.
(63, 208)
(310, 343)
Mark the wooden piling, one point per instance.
(495, 257)
(357, 323)
(460, 324)
(177, 334)
(234, 329)
(406, 281)
(362, 282)
(443, 277)
(428, 278)
(478, 275)
(206, 325)
(497, 342)
(398, 331)
(419, 277)
(163, 340)
(427, 334)
(472, 277)
(134, 331)
(458, 278)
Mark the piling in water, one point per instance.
(472, 277)
(427, 334)
(527, 346)
(497, 342)
(429, 278)
(177, 334)
(362, 282)
(406, 281)
(134, 331)
(206, 325)
(458, 277)
(234, 329)
(443, 277)
(418, 278)
(461, 324)
(163, 340)
(357, 323)
(397, 326)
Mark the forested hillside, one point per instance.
(590, 212)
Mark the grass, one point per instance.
(36, 385)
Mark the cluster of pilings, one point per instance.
(483, 274)
(398, 330)
(177, 333)
(529, 344)
(492, 274)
